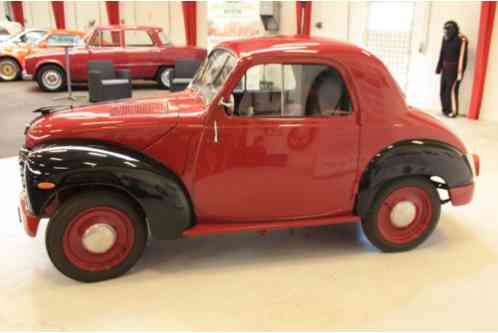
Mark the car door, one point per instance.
(142, 54)
(276, 157)
(103, 45)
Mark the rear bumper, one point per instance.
(29, 221)
(462, 195)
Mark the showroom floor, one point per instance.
(323, 278)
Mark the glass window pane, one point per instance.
(138, 38)
(62, 39)
(292, 90)
(106, 39)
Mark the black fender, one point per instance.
(425, 158)
(74, 165)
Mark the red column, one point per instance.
(190, 21)
(18, 11)
(303, 17)
(58, 9)
(483, 44)
(113, 12)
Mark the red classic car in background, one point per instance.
(144, 51)
(272, 133)
(12, 54)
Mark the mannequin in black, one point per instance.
(451, 65)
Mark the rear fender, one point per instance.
(425, 158)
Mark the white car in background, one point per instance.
(9, 29)
(28, 36)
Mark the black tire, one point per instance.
(390, 238)
(56, 239)
(56, 70)
(160, 74)
(13, 67)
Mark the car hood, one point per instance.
(135, 123)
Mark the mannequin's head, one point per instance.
(451, 30)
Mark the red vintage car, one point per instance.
(144, 51)
(272, 133)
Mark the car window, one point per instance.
(212, 74)
(62, 39)
(106, 38)
(292, 90)
(138, 38)
(32, 37)
(165, 39)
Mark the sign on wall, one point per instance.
(228, 20)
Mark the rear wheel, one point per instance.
(9, 69)
(95, 236)
(404, 213)
(51, 78)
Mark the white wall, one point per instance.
(38, 14)
(2, 10)
(423, 84)
(489, 106)
(288, 18)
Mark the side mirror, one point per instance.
(228, 105)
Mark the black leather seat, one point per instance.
(106, 83)
(184, 72)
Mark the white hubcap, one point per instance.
(166, 77)
(52, 80)
(403, 214)
(99, 238)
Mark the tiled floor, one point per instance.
(324, 278)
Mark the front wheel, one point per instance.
(95, 236)
(404, 213)
(51, 78)
(9, 70)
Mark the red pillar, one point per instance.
(58, 9)
(112, 8)
(190, 21)
(483, 44)
(303, 17)
(18, 11)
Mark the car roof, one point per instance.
(128, 27)
(62, 31)
(283, 45)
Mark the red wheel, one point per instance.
(403, 215)
(96, 236)
(98, 239)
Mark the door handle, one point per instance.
(215, 127)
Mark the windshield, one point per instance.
(82, 42)
(213, 73)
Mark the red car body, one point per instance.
(143, 61)
(250, 173)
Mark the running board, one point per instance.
(220, 228)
